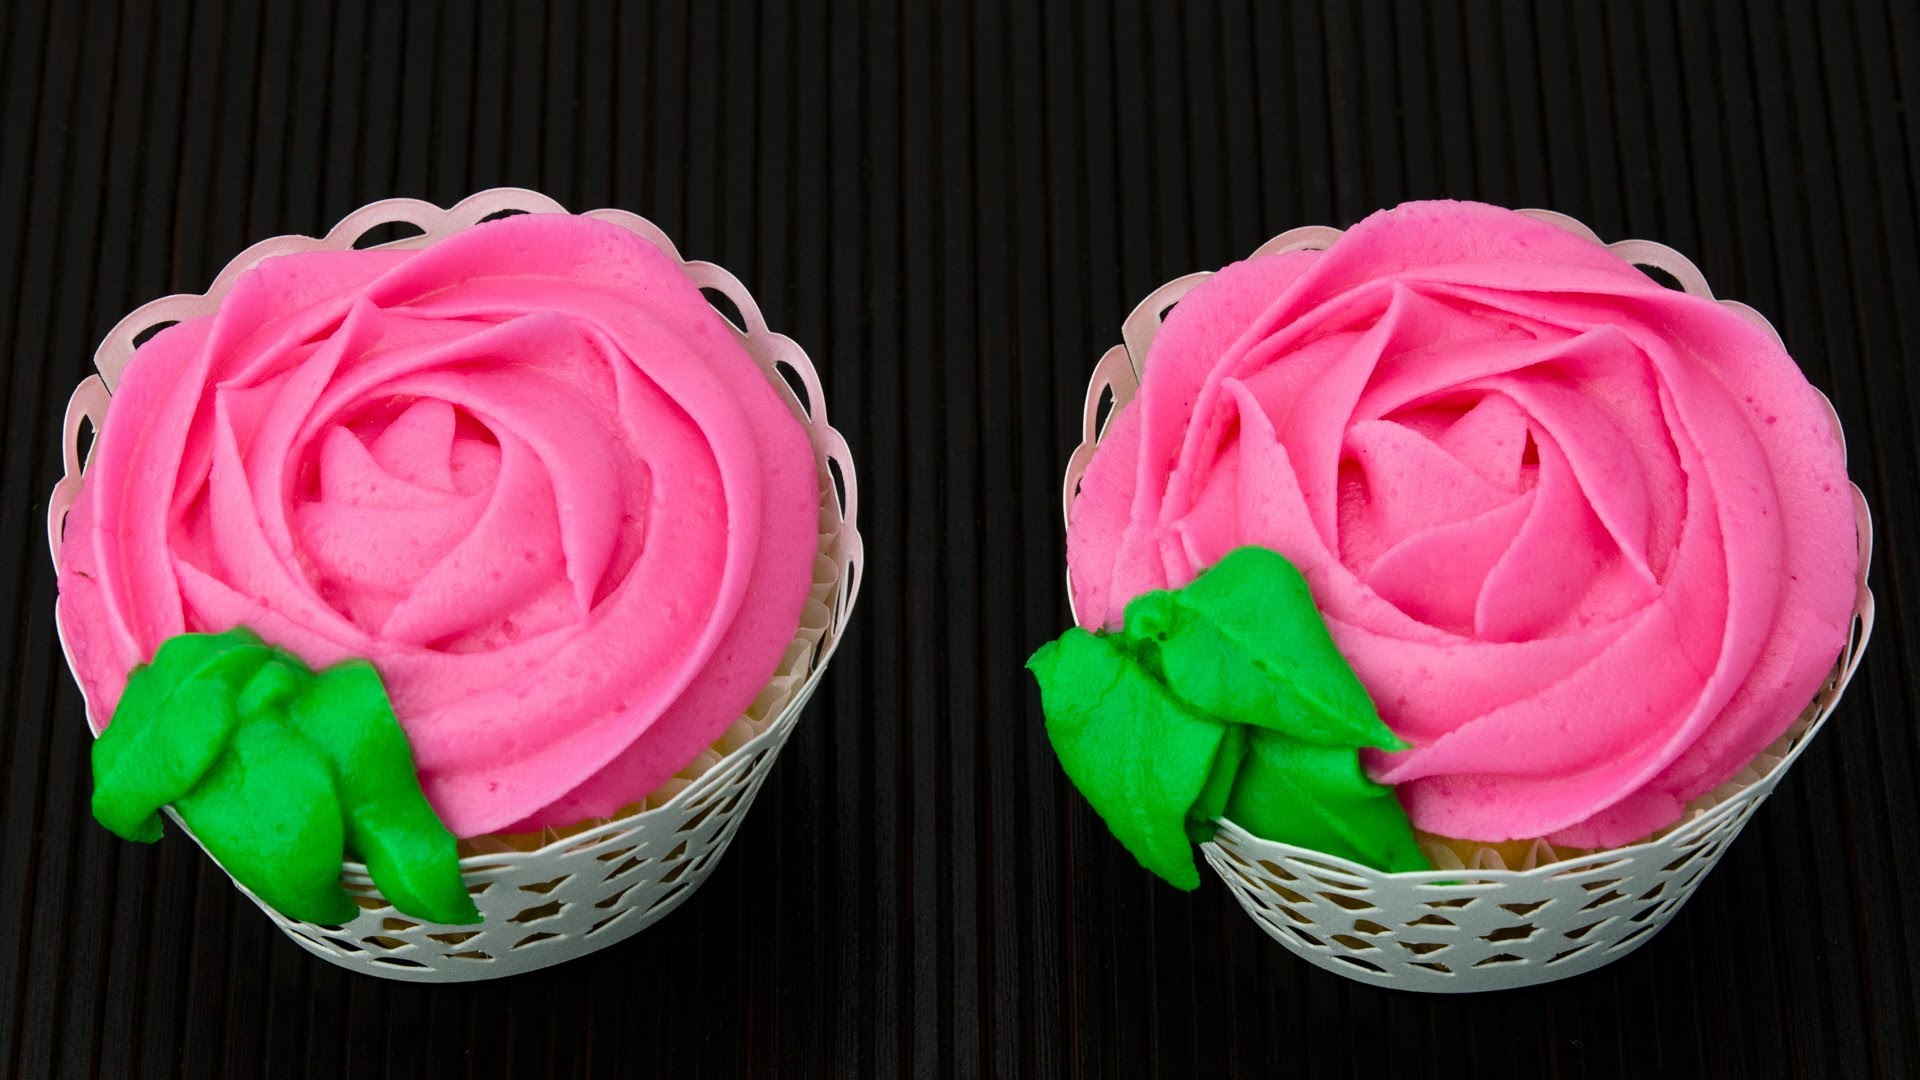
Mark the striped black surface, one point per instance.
(952, 206)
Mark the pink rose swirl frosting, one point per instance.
(527, 471)
(1588, 541)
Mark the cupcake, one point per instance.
(511, 495)
(1455, 541)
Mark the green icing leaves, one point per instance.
(1223, 699)
(269, 812)
(1244, 643)
(279, 771)
(388, 822)
(1137, 752)
(194, 682)
(1318, 798)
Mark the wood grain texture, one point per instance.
(952, 207)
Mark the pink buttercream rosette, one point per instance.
(527, 470)
(1588, 541)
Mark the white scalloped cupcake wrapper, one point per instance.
(1558, 913)
(556, 896)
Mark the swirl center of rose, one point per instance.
(403, 491)
(1445, 504)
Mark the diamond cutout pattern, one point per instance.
(1492, 928)
(545, 906)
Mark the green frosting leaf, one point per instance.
(279, 772)
(172, 724)
(407, 850)
(270, 813)
(1225, 698)
(1140, 756)
(1244, 643)
(1318, 798)
(1212, 803)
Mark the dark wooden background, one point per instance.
(952, 207)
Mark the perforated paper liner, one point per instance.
(1475, 923)
(549, 898)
